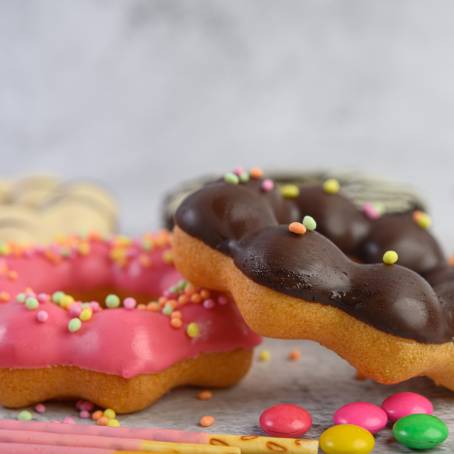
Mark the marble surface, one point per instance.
(140, 94)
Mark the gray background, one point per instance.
(142, 94)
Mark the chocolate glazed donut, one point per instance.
(392, 322)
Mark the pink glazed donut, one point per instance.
(111, 321)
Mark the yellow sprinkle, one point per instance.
(331, 186)
(193, 330)
(109, 413)
(113, 423)
(122, 240)
(390, 257)
(83, 248)
(290, 191)
(86, 314)
(167, 256)
(66, 300)
(264, 356)
(422, 219)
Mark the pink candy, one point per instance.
(40, 408)
(129, 303)
(42, 316)
(363, 414)
(285, 420)
(267, 185)
(406, 403)
(209, 303)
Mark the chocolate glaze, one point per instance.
(246, 223)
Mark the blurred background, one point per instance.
(140, 94)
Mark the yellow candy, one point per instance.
(290, 191)
(193, 330)
(331, 186)
(66, 300)
(86, 314)
(346, 439)
(113, 423)
(390, 257)
(264, 356)
(109, 413)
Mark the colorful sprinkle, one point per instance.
(5, 249)
(74, 325)
(222, 300)
(309, 223)
(331, 186)
(102, 421)
(267, 185)
(24, 415)
(129, 303)
(57, 296)
(86, 314)
(42, 316)
(231, 178)
(4, 296)
(264, 356)
(84, 414)
(294, 355)
(209, 303)
(371, 210)
(290, 191)
(109, 413)
(206, 421)
(66, 301)
(31, 303)
(422, 219)
(96, 415)
(176, 322)
(21, 297)
(112, 301)
(244, 177)
(75, 309)
(40, 408)
(68, 420)
(167, 309)
(113, 423)
(193, 330)
(297, 228)
(390, 257)
(205, 394)
(256, 173)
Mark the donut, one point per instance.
(332, 278)
(113, 322)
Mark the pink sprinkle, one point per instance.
(238, 171)
(370, 211)
(42, 316)
(95, 307)
(84, 414)
(267, 185)
(75, 309)
(209, 304)
(68, 420)
(87, 405)
(222, 299)
(129, 303)
(43, 298)
(40, 408)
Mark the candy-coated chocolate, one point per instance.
(285, 420)
(406, 403)
(364, 414)
(346, 439)
(420, 431)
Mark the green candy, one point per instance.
(420, 431)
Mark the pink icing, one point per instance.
(120, 341)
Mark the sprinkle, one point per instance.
(290, 191)
(129, 303)
(371, 210)
(264, 356)
(86, 314)
(66, 301)
(83, 248)
(42, 316)
(96, 415)
(68, 420)
(331, 186)
(209, 303)
(75, 309)
(113, 423)
(112, 301)
(231, 178)
(244, 177)
(196, 298)
(21, 297)
(4, 296)
(297, 228)
(5, 249)
(256, 173)
(43, 297)
(74, 325)
(309, 223)
(205, 394)
(84, 414)
(176, 322)
(40, 408)
(238, 170)
(109, 413)
(267, 185)
(24, 415)
(168, 309)
(85, 405)
(222, 300)
(204, 293)
(294, 355)
(102, 421)
(153, 306)
(193, 330)
(390, 257)
(167, 257)
(31, 303)
(176, 314)
(422, 219)
(206, 421)
(57, 296)
(95, 306)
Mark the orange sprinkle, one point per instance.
(176, 314)
(102, 421)
(206, 394)
(206, 421)
(176, 322)
(297, 228)
(183, 299)
(4, 296)
(189, 290)
(141, 307)
(196, 298)
(256, 173)
(172, 303)
(162, 300)
(205, 294)
(96, 415)
(294, 355)
(154, 306)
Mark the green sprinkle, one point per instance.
(167, 309)
(21, 297)
(245, 177)
(57, 296)
(31, 303)
(180, 286)
(231, 178)
(74, 325)
(112, 301)
(309, 223)
(290, 191)
(24, 415)
(193, 330)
